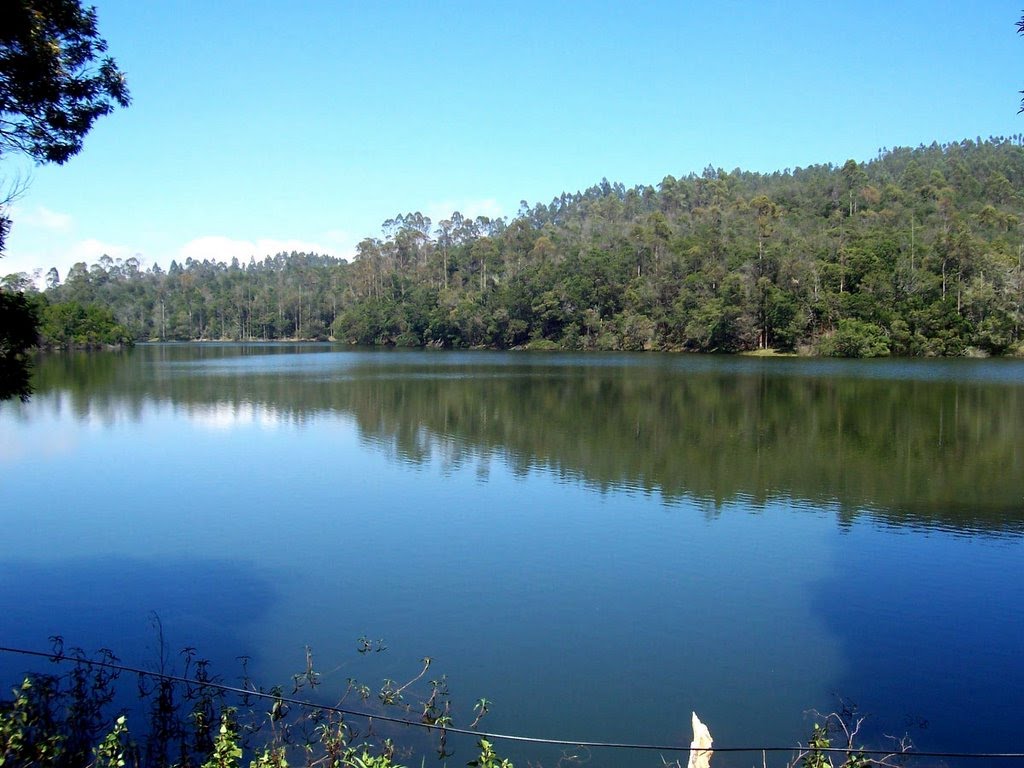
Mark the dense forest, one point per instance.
(917, 252)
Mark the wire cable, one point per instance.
(63, 658)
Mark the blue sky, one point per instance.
(264, 126)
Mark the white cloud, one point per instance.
(90, 250)
(43, 243)
(221, 248)
(37, 255)
(343, 241)
(41, 217)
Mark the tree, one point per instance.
(18, 333)
(924, 261)
(855, 338)
(54, 79)
(54, 83)
(1020, 31)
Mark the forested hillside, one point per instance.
(917, 252)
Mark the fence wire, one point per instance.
(490, 735)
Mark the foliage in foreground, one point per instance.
(55, 82)
(81, 719)
(72, 720)
(18, 334)
(38, 728)
(844, 727)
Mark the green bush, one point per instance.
(71, 324)
(855, 338)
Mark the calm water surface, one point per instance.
(598, 544)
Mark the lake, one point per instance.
(598, 544)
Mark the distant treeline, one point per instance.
(917, 252)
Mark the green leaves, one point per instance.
(19, 331)
(855, 338)
(488, 757)
(71, 324)
(54, 80)
(112, 750)
(226, 750)
(29, 734)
